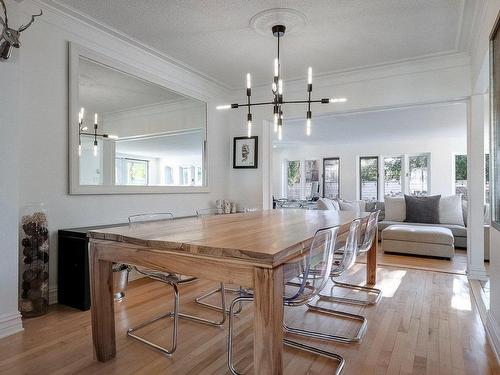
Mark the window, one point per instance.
(393, 176)
(331, 178)
(368, 172)
(293, 180)
(312, 178)
(169, 178)
(419, 174)
(461, 175)
(487, 178)
(131, 172)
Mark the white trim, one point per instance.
(52, 296)
(10, 323)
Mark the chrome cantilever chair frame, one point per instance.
(298, 298)
(174, 281)
(342, 264)
(368, 238)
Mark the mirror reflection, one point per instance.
(136, 133)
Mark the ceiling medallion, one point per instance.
(263, 21)
(278, 31)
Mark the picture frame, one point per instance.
(245, 152)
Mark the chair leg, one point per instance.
(200, 299)
(174, 314)
(313, 350)
(328, 336)
(353, 301)
(216, 323)
(287, 342)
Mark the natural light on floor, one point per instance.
(461, 296)
(391, 281)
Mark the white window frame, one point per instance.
(284, 176)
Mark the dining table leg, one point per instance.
(102, 305)
(268, 321)
(371, 262)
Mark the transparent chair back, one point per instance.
(157, 216)
(369, 233)
(207, 212)
(312, 271)
(346, 256)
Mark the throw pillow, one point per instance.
(395, 209)
(422, 209)
(450, 210)
(327, 204)
(356, 206)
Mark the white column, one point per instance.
(475, 187)
(267, 165)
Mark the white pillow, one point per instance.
(395, 208)
(450, 210)
(356, 206)
(327, 204)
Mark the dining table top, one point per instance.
(267, 237)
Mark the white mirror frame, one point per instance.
(75, 52)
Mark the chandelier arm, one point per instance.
(324, 101)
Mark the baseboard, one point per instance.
(477, 274)
(10, 323)
(52, 296)
(493, 333)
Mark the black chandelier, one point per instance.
(277, 89)
(83, 130)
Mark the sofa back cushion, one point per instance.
(356, 206)
(395, 209)
(422, 209)
(450, 210)
(327, 204)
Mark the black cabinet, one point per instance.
(73, 282)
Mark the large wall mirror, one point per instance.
(495, 121)
(131, 135)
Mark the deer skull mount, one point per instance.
(9, 38)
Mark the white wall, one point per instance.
(442, 160)
(9, 161)
(39, 72)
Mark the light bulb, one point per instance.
(79, 150)
(95, 118)
(249, 81)
(338, 100)
(275, 122)
(308, 127)
(310, 75)
(224, 106)
(80, 118)
(95, 150)
(274, 87)
(82, 111)
(276, 67)
(280, 137)
(112, 136)
(85, 128)
(249, 128)
(280, 87)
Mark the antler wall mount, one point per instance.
(9, 38)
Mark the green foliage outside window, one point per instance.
(293, 172)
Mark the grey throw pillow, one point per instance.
(422, 209)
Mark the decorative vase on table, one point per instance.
(34, 299)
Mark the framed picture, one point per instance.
(245, 151)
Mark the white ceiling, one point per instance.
(215, 38)
(440, 121)
(106, 90)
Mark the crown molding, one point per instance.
(64, 10)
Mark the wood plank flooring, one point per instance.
(426, 323)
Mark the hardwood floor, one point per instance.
(426, 323)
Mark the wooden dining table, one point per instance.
(247, 249)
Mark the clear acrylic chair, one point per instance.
(174, 281)
(367, 239)
(344, 258)
(312, 272)
(200, 300)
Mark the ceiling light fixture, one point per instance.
(82, 130)
(277, 90)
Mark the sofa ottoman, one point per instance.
(419, 240)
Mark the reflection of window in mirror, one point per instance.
(158, 134)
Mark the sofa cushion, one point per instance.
(327, 204)
(357, 206)
(422, 209)
(395, 209)
(450, 210)
(419, 233)
(457, 230)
